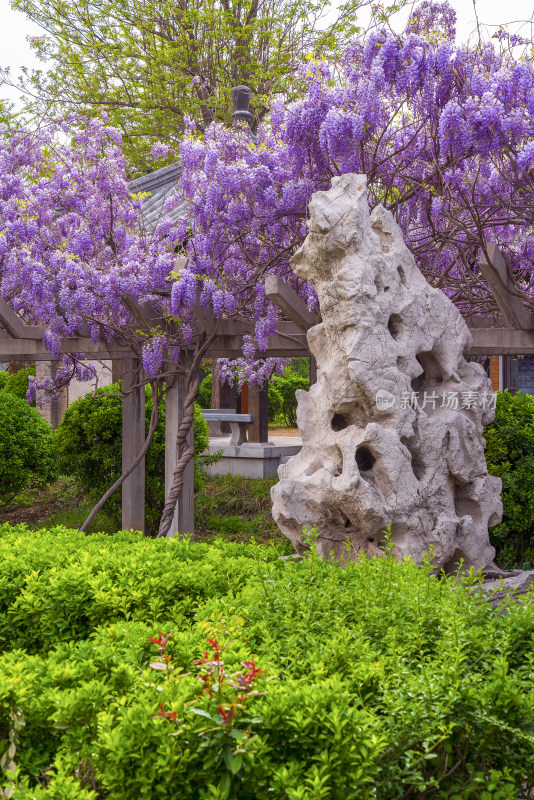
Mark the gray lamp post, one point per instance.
(241, 100)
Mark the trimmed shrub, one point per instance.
(510, 456)
(275, 402)
(89, 448)
(287, 386)
(4, 377)
(26, 447)
(374, 682)
(17, 383)
(204, 392)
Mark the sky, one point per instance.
(15, 51)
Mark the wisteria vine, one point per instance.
(444, 133)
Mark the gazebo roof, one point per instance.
(160, 185)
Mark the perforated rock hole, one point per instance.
(431, 366)
(394, 325)
(379, 287)
(365, 460)
(418, 382)
(431, 374)
(418, 466)
(339, 422)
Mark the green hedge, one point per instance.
(379, 681)
(510, 456)
(204, 391)
(26, 447)
(17, 383)
(286, 387)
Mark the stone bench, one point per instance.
(238, 423)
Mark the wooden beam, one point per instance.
(288, 301)
(35, 349)
(289, 340)
(501, 342)
(500, 282)
(223, 347)
(477, 321)
(146, 315)
(204, 315)
(15, 327)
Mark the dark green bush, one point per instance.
(26, 447)
(287, 386)
(275, 402)
(17, 383)
(510, 456)
(381, 681)
(4, 377)
(89, 448)
(204, 392)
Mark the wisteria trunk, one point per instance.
(185, 452)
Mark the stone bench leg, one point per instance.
(239, 433)
(214, 427)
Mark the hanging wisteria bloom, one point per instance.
(153, 355)
(159, 150)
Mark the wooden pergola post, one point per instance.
(258, 404)
(133, 438)
(53, 411)
(184, 514)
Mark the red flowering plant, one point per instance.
(230, 691)
(163, 662)
(228, 695)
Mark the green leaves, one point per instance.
(26, 446)
(89, 448)
(382, 680)
(510, 456)
(286, 387)
(148, 65)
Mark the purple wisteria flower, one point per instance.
(153, 354)
(159, 150)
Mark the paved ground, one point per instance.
(284, 432)
(278, 438)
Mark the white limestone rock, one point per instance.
(363, 467)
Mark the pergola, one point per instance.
(22, 342)
(512, 334)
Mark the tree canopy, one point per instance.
(150, 65)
